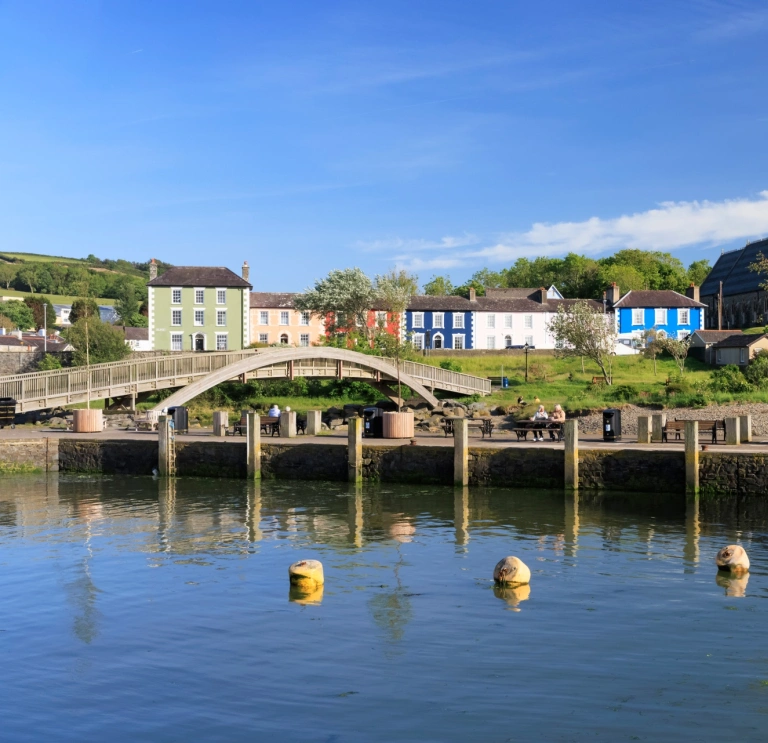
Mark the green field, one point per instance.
(38, 258)
(55, 298)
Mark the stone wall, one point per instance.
(20, 360)
(516, 468)
(428, 465)
(210, 459)
(632, 470)
(108, 456)
(745, 474)
(304, 461)
(29, 455)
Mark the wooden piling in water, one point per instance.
(253, 437)
(571, 436)
(355, 450)
(691, 458)
(166, 454)
(460, 452)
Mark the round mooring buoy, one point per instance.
(733, 558)
(511, 571)
(306, 572)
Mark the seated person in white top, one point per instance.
(539, 415)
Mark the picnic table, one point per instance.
(484, 424)
(677, 429)
(522, 428)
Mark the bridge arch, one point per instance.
(271, 358)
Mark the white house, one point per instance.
(137, 339)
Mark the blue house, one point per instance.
(668, 312)
(440, 322)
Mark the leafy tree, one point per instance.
(394, 291)
(757, 371)
(96, 342)
(653, 345)
(346, 295)
(42, 310)
(7, 274)
(627, 277)
(677, 349)
(729, 378)
(27, 275)
(760, 266)
(438, 286)
(48, 363)
(580, 330)
(6, 324)
(128, 305)
(698, 271)
(489, 279)
(18, 313)
(463, 290)
(83, 307)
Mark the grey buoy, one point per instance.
(733, 558)
(511, 571)
(306, 572)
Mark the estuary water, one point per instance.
(136, 610)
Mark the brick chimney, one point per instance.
(692, 292)
(542, 295)
(152, 269)
(613, 294)
(472, 294)
(246, 270)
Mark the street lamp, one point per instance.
(526, 348)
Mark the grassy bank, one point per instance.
(55, 298)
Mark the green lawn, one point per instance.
(55, 298)
(38, 258)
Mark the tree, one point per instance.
(48, 363)
(438, 286)
(394, 290)
(653, 346)
(760, 266)
(42, 311)
(677, 349)
(347, 295)
(128, 304)
(83, 307)
(96, 342)
(7, 274)
(580, 330)
(628, 278)
(18, 313)
(27, 274)
(463, 290)
(698, 271)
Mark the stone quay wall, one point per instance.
(722, 475)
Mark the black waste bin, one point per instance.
(373, 423)
(180, 418)
(611, 424)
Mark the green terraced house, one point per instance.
(198, 308)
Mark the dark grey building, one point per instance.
(744, 303)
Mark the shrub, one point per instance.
(729, 379)
(450, 365)
(757, 371)
(624, 392)
(48, 362)
(540, 372)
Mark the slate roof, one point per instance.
(35, 341)
(199, 276)
(448, 303)
(740, 340)
(493, 304)
(732, 269)
(136, 334)
(656, 298)
(271, 300)
(715, 336)
(516, 293)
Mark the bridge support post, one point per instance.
(691, 458)
(732, 432)
(659, 421)
(166, 447)
(288, 424)
(745, 428)
(314, 422)
(253, 440)
(355, 450)
(571, 434)
(460, 452)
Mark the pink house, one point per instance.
(275, 320)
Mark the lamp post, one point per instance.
(526, 347)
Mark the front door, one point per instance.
(199, 343)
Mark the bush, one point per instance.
(757, 371)
(48, 363)
(540, 372)
(450, 365)
(729, 379)
(624, 392)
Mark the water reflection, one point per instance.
(461, 516)
(735, 586)
(355, 515)
(253, 512)
(512, 595)
(307, 593)
(692, 534)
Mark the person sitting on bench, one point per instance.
(558, 416)
(539, 415)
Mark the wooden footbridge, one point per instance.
(194, 373)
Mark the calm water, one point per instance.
(130, 611)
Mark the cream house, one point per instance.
(275, 320)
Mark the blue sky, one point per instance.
(444, 136)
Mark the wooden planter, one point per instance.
(87, 421)
(398, 425)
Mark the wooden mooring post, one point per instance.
(571, 435)
(166, 448)
(253, 439)
(355, 449)
(460, 452)
(691, 458)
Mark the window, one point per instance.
(284, 339)
(719, 356)
(638, 316)
(176, 317)
(418, 341)
(199, 296)
(458, 321)
(264, 317)
(176, 296)
(507, 321)
(529, 340)
(176, 340)
(381, 318)
(418, 319)
(490, 321)
(285, 318)
(221, 296)
(742, 355)
(490, 342)
(221, 341)
(221, 318)
(199, 317)
(438, 320)
(683, 317)
(660, 316)
(304, 339)
(304, 318)
(263, 338)
(458, 342)
(528, 321)
(507, 341)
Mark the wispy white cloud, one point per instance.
(670, 226)
(449, 242)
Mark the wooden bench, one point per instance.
(484, 424)
(522, 428)
(270, 426)
(496, 381)
(707, 427)
(598, 380)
